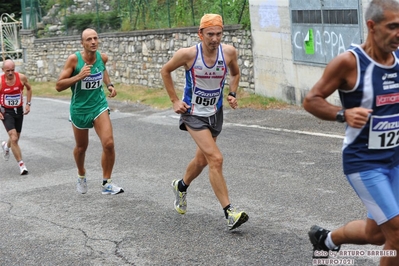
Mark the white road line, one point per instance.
(288, 130)
(53, 100)
(239, 125)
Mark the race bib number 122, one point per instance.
(384, 132)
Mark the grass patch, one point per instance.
(153, 97)
(47, 89)
(254, 101)
(158, 98)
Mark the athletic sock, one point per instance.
(329, 243)
(20, 163)
(105, 181)
(225, 210)
(181, 186)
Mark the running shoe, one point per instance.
(22, 169)
(110, 188)
(317, 237)
(180, 198)
(6, 151)
(235, 219)
(81, 185)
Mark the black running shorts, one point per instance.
(13, 118)
(214, 122)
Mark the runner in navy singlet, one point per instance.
(367, 79)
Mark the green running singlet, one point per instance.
(88, 94)
(88, 97)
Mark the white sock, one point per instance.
(329, 243)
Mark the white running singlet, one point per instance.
(203, 90)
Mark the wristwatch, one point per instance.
(28, 103)
(340, 117)
(232, 94)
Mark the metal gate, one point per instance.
(10, 45)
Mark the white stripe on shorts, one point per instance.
(374, 210)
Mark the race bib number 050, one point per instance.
(384, 132)
(206, 97)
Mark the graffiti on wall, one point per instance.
(333, 24)
(327, 42)
(334, 42)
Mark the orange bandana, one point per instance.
(210, 20)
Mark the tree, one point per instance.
(11, 6)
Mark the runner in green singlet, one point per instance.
(84, 72)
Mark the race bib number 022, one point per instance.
(384, 132)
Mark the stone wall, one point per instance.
(134, 57)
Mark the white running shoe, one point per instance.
(110, 188)
(6, 151)
(22, 169)
(81, 185)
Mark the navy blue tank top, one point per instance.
(377, 143)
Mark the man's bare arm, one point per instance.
(66, 79)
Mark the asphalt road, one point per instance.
(283, 167)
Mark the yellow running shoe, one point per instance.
(235, 219)
(180, 198)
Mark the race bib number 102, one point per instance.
(384, 132)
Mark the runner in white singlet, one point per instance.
(201, 109)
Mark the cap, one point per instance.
(210, 20)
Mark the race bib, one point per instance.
(12, 100)
(206, 97)
(384, 132)
(92, 82)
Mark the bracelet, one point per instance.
(232, 94)
(110, 85)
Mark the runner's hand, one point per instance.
(27, 109)
(232, 101)
(357, 117)
(85, 71)
(180, 107)
(112, 91)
